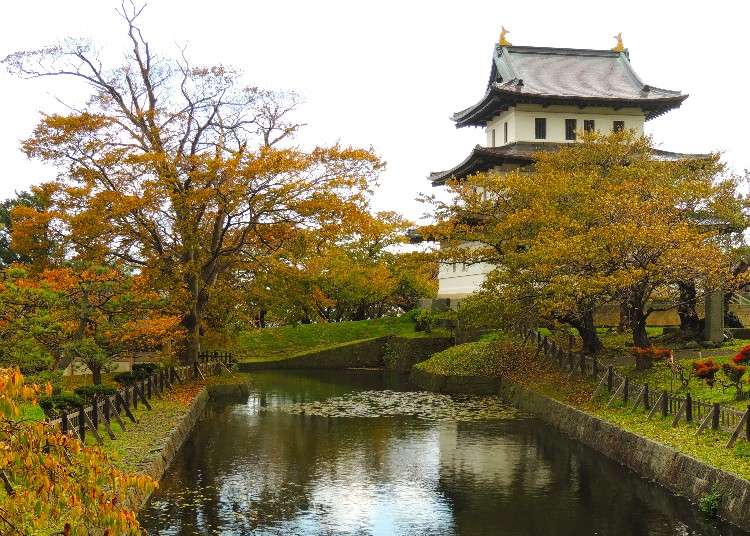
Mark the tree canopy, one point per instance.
(178, 172)
(597, 222)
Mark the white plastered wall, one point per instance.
(521, 126)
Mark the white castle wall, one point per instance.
(520, 121)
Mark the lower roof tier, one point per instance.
(517, 154)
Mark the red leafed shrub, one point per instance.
(645, 357)
(734, 374)
(743, 356)
(733, 371)
(706, 370)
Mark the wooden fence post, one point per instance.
(571, 361)
(82, 424)
(95, 413)
(625, 390)
(688, 408)
(610, 378)
(135, 396)
(582, 363)
(646, 401)
(683, 408)
(742, 424)
(594, 366)
(715, 416)
(64, 423)
(665, 404)
(149, 394)
(124, 401)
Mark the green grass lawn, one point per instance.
(270, 344)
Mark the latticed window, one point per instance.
(618, 126)
(588, 125)
(570, 129)
(540, 128)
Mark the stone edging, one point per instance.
(678, 472)
(175, 439)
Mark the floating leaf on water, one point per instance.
(423, 405)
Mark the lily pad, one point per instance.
(423, 405)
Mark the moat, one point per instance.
(358, 452)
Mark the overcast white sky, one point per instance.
(388, 74)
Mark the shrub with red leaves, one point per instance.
(743, 356)
(706, 370)
(734, 373)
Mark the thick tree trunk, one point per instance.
(587, 330)
(96, 373)
(689, 321)
(638, 323)
(191, 320)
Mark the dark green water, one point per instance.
(250, 468)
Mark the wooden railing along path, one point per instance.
(117, 407)
(628, 392)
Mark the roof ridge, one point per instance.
(562, 50)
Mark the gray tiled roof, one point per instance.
(520, 153)
(565, 75)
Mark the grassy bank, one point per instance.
(509, 358)
(270, 344)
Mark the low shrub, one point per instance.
(743, 356)
(706, 370)
(144, 370)
(55, 405)
(140, 371)
(91, 393)
(425, 320)
(126, 378)
(734, 374)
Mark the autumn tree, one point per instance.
(22, 202)
(360, 273)
(178, 170)
(78, 311)
(601, 221)
(51, 482)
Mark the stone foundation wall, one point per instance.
(679, 473)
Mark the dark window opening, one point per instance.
(493, 137)
(570, 129)
(540, 128)
(588, 125)
(505, 132)
(618, 126)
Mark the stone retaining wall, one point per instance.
(402, 353)
(357, 354)
(678, 472)
(371, 353)
(175, 439)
